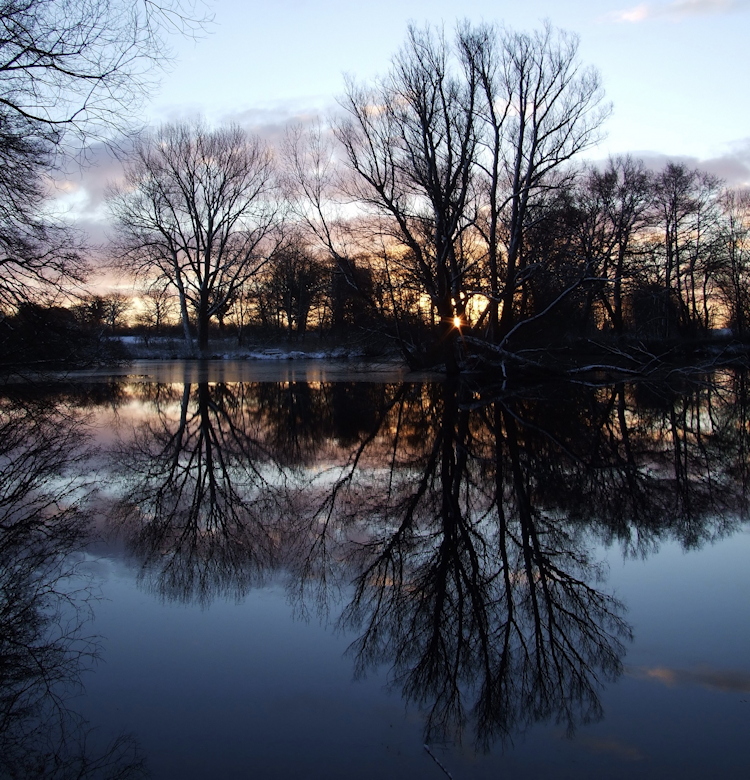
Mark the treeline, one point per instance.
(445, 208)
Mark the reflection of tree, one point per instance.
(653, 466)
(474, 595)
(206, 477)
(43, 648)
(201, 504)
(470, 551)
(464, 521)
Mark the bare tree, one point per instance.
(116, 305)
(70, 71)
(312, 185)
(196, 209)
(82, 66)
(537, 108)
(39, 256)
(616, 204)
(158, 303)
(685, 202)
(297, 284)
(410, 141)
(734, 278)
(467, 139)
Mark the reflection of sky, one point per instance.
(243, 690)
(236, 690)
(270, 370)
(246, 688)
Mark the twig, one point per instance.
(434, 758)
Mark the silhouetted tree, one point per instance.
(410, 140)
(685, 205)
(616, 203)
(734, 273)
(70, 72)
(537, 108)
(297, 284)
(199, 511)
(196, 210)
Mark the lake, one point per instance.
(310, 570)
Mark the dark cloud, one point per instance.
(732, 167)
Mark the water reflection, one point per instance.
(461, 526)
(44, 603)
(202, 493)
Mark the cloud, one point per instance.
(78, 193)
(732, 167)
(678, 10)
(268, 121)
(271, 123)
(637, 14)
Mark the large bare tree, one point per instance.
(410, 140)
(456, 148)
(196, 208)
(537, 108)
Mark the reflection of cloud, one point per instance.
(680, 9)
(612, 747)
(724, 680)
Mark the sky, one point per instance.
(675, 72)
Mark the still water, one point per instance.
(239, 571)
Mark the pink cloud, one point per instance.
(677, 10)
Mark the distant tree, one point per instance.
(734, 274)
(89, 312)
(298, 282)
(686, 212)
(196, 210)
(616, 204)
(52, 335)
(554, 268)
(158, 306)
(116, 305)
